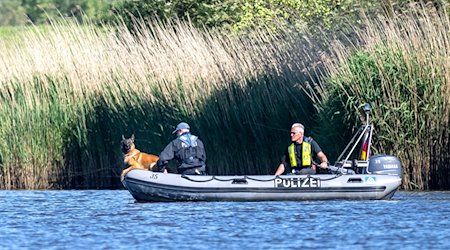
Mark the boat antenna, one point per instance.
(367, 108)
(359, 135)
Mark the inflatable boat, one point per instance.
(154, 186)
(368, 178)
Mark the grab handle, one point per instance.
(239, 181)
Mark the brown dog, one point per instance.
(134, 158)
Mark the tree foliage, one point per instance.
(241, 15)
(237, 15)
(15, 12)
(12, 13)
(209, 13)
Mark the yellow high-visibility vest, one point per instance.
(306, 155)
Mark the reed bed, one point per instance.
(402, 67)
(69, 93)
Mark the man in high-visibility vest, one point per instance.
(298, 158)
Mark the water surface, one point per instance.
(111, 219)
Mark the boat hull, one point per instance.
(147, 186)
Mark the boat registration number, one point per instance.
(297, 183)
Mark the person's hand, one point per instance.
(323, 165)
(165, 171)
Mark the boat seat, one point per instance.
(334, 170)
(360, 164)
(353, 164)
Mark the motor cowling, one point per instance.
(385, 164)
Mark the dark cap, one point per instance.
(181, 125)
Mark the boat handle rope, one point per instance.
(232, 179)
(255, 179)
(187, 178)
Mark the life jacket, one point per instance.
(190, 153)
(306, 154)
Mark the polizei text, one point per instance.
(297, 183)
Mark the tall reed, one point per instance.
(403, 69)
(69, 92)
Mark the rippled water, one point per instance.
(111, 219)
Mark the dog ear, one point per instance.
(132, 137)
(123, 137)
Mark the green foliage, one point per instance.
(300, 14)
(237, 15)
(8, 32)
(12, 13)
(202, 13)
(241, 15)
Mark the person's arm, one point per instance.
(323, 160)
(282, 167)
(203, 155)
(202, 146)
(280, 170)
(318, 151)
(165, 156)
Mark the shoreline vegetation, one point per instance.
(70, 91)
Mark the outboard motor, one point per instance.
(384, 164)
